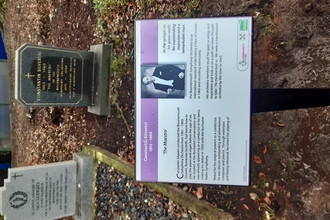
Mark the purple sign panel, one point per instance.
(149, 42)
(149, 139)
(149, 107)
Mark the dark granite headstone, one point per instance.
(51, 76)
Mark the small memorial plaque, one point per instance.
(40, 192)
(51, 76)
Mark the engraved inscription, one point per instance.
(55, 76)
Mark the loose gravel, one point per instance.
(120, 197)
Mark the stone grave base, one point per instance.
(101, 98)
(84, 190)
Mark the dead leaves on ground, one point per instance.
(267, 200)
(264, 151)
(277, 124)
(198, 193)
(257, 160)
(246, 207)
(262, 175)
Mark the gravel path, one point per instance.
(120, 197)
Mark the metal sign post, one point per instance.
(264, 100)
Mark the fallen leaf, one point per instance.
(267, 200)
(265, 149)
(288, 194)
(262, 175)
(279, 124)
(257, 160)
(275, 186)
(253, 196)
(246, 207)
(199, 192)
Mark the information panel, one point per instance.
(193, 94)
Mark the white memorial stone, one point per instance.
(45, 191)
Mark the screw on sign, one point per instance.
(18, 199)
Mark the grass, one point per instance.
(191, 10)
(268, 29)
(188, 10)
(229, 205)
(264, 183)
(118, 64)
(269, 25)
(226, 191)
(108, 6)
(270, 213)
(117, 68)
(101, 24)
(278, 149)
(290, 163)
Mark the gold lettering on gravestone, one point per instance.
(66, 77)
(70, 78)
(38, 88)
(43, 86)
(39, 62)
(61, 88)
(49, 76)
(62, 67)
(62, 78)
(57, 77)
(74, 78)
(49, 72)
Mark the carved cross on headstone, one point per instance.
(15, 176)
(29, 75)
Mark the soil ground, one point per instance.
(290, 149)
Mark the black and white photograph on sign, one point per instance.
(163, 81)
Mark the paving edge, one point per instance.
(176, 194)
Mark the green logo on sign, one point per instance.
(243, 25)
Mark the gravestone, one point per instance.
(49, 191)
(52, 76)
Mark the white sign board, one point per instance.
(193, 94)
